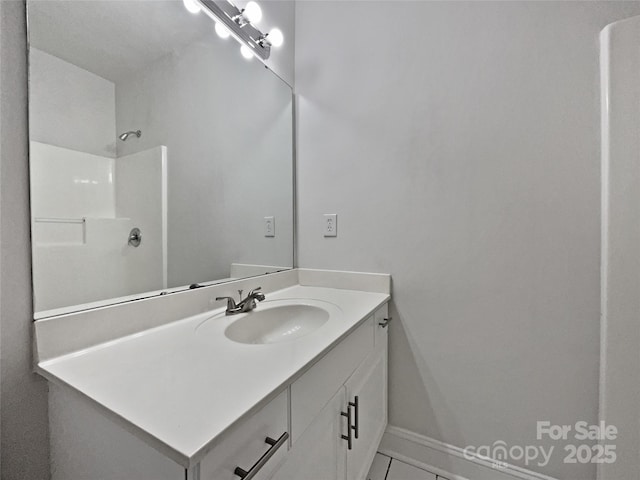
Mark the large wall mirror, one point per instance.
(160, 158)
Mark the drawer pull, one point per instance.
(253, 471)
(348, 437)
(355, 404)
(385, 322)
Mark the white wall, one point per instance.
(227, 126)
(70, 107)
(459, 144)
(24, 448)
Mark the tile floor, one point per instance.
(387, 468)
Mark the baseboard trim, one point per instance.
(448, 460)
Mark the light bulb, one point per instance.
(252, 12)
(246, 52)
(275, 37)
(222, 31)
(191, 5)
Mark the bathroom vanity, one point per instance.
(162, 178)
(295, 389)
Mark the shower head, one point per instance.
(125, 135)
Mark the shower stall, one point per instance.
(99, 226)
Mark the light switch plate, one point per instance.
(269, 226)
(330, 224)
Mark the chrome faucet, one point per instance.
(246, 304)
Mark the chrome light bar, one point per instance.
(224, 12)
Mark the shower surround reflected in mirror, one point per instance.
(156, 152)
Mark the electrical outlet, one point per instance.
(269, 226)
(330, 224)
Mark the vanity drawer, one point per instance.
(245, 444)
(311, 392)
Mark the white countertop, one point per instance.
(179, 388)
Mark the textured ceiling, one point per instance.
(113, 38)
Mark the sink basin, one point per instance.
(280, 321)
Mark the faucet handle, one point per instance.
(231, 303)
(256, 295)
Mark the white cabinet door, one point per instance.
(311, 392)
(367, 397)
(320, 453)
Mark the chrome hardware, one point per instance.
(231, 304)
(229, 15)
(135, 237)
(348, 437)
(245, 305)
(126, 135)
(355, 404)
(253, 471)
(255, 294)
(385, 322)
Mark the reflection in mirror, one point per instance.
(159, 157)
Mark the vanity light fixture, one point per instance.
(251, 14)
(222, 31)
(191, 6)
(273, 38)
(246, 52)
(240, 24)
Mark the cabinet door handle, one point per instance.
(355, 404)
(253, 471)
(348, 437)
(385, 322)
